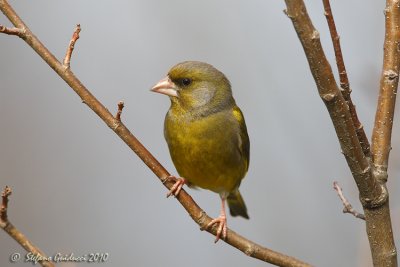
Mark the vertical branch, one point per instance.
(71, 46)
(344, 80)
(119, 112)
(373, 195)
(382, 132)
(4, 204)
(370, 191)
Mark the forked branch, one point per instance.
(373, 195)
(370, 191)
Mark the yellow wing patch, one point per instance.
(244, 142)
(238, 115)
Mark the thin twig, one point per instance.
(11, 31)
(382, 132)
(71, 46)
(198, 215)
(344, 80)
(120, 108)
(347, 207)
(4, 203)
(18, 236)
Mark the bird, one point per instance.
(206, 135)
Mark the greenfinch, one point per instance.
(206, 135)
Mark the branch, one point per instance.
(348, 208)
(71, 46)
(370, 191)
(198, 215)
(373, 196)
(119, 112)
(4, 204)
(344, 80)
(10, 229)
(11, 31)
(382, 132)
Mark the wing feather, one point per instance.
(244, 142)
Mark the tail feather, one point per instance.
(236, 204)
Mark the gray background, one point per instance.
(78, 188)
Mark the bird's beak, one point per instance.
(166, 87)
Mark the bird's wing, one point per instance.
(244, 142)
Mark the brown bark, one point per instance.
(373, 195)
(18, 236)
(198, 215)
(344, 80)
(382, 132)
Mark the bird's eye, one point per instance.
(186, 81)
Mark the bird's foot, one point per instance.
(221, 220)
(176, 188)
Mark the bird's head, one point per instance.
(194, 84)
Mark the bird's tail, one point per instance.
(236, 204)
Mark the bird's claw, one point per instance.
(177, 187)
(222, 229)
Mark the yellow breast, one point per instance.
(207, 151)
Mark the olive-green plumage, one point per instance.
(206, 132)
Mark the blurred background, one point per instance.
(77, 188)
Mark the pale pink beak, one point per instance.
(166, 87)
